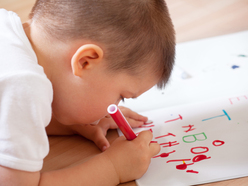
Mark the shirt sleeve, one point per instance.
(25, 111)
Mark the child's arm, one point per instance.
(97, 171)
(12, 177)
(134, 119)
(96, 133)
(122, 162)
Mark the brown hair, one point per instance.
(135, 31)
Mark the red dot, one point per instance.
(218, 143)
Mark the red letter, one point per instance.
(205, 149)
(218, 143)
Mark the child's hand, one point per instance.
(97, 133)
(132, 158)
(133, 118)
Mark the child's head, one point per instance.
(136, 36)
(135, 33)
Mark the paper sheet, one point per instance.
(200, 143)
(205, 69)
(209, 85)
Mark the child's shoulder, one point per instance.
(6, 15)
(25, 85)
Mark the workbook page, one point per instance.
(200, 143)
(204, 69)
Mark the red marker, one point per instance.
(121, 121)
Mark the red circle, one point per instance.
(200, 158)
(206, 150)
(215, 143)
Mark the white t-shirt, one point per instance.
(25, 99)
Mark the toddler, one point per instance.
(60, 70)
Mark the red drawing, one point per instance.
(230, 99)
(169, 144)
(182, 166)
(200, 158)
(169, 134)
(192, 171)
(180, 117)
(164, 155)
(148, 122)
(218, 143)
(205, 149)
(153, 142)
(190, 128)
(146, 126)
(178, 160)
(141, 131)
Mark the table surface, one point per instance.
(193, 19)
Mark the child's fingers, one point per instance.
(98, 137)
(93, 133)
(155, 149)
(131, 114)
(145, 136)
(134, 123)
(109, 123)
(137, 116)
(101, 142)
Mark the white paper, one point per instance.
(210, 75)
(203, 71)
(215, 132)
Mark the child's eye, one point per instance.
(122, 99)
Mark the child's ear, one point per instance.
(86, 57)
